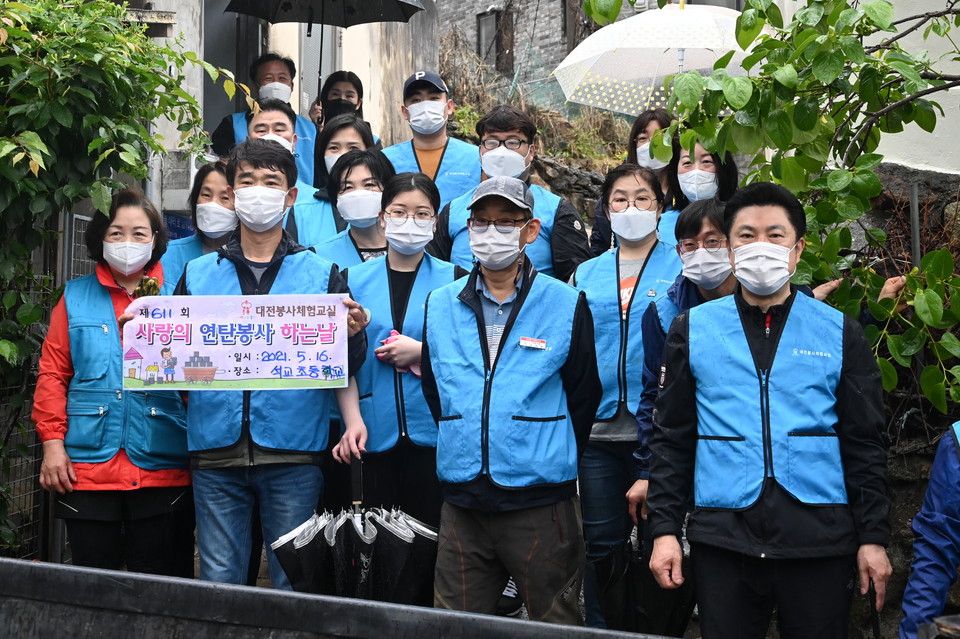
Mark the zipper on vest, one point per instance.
(106, 331)
(625, 326)
(401, 410)
(765, 419)
(485, 420)
(245, 426)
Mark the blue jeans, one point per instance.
(225, 498)
(607, 470)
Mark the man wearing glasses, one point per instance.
(507, 149)
(510, 376)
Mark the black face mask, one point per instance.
(333, 108)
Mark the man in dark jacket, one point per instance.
(510, 375)
(769, 415)
(260, 449)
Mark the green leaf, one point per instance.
(737, 91)
(780, 129)
(810, 15)
(847, 18)
(869, 161)
(924, 115)
(880, 13)
(786, 75)
(101, 197)
(929, 307)
(603, 12)
(852, 48)
(912, 341)
(29, 313)
(938, 264)
(749, 26)
(933, 385)
(896, 350)
(806, 113)
(9, 351)
(950, 342)
(9, 299)
(888, 374)
(839, 179)
(723, 60)
(792, 175)
(866, 184)
(827, 66)
(849, 207)
(689, 88)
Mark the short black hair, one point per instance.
(374, 159)
(271, 57)
(660, 115)
(728, 179)
(98, 225)
(347, 120)
(405, 182)
(212, 167)
(266, 106)
(766, 194)
(262, 154)
(343, 76)
(690, 221)
(625, 169)
(504, 117)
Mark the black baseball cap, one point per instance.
(429, 77)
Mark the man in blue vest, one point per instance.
(272, 76)
(510, 376)
(507, 149)
(260, 448)
(769, 415)
(452, 164)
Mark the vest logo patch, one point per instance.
(802, 351)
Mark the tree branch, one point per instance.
(875, 117)
(921, 18)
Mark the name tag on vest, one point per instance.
(532, 342)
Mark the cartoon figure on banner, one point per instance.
(168, 363)
(199, 369)
(152, 375)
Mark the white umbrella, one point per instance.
(621, 67)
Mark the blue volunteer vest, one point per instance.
(540, 253)
(790, 409)
(667, 311)
(102, 417)
(289, 420)
(306, 132)
(340, 250)
(178, 253)
(313, 219)
(510, 423)
(667, 226)
(392, 403)
(613, 332)
(458, 172)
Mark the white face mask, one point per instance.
(360, 207)
(127, 257)
(646, 159)
(284, 142)
(215, 220)
(763, 268)
(633, 224)
(428, 116)
(260, 208)
(698, 184)
(330, 160)
(502, 162)
(706, 269)
(276, 91)
(406, 236)
(494, 249)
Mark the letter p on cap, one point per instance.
(419, 75)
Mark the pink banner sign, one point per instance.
(236, 342)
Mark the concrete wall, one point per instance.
(384, 55)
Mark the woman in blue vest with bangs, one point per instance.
(116, 459)
(399, 440)
(619, 286)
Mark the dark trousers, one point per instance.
(403, 477)
(138, 539)
(737, 593)
(541, 547)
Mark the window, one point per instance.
(495, 40)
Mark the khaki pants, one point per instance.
(541, 548)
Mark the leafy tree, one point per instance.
(79, 87)
(822, 90)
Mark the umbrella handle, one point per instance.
(356, 484)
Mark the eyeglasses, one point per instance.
(420, 218)
(480, 225)
(644, 203)
(711, 244)
(513, 144)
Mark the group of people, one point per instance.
(532, 393)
